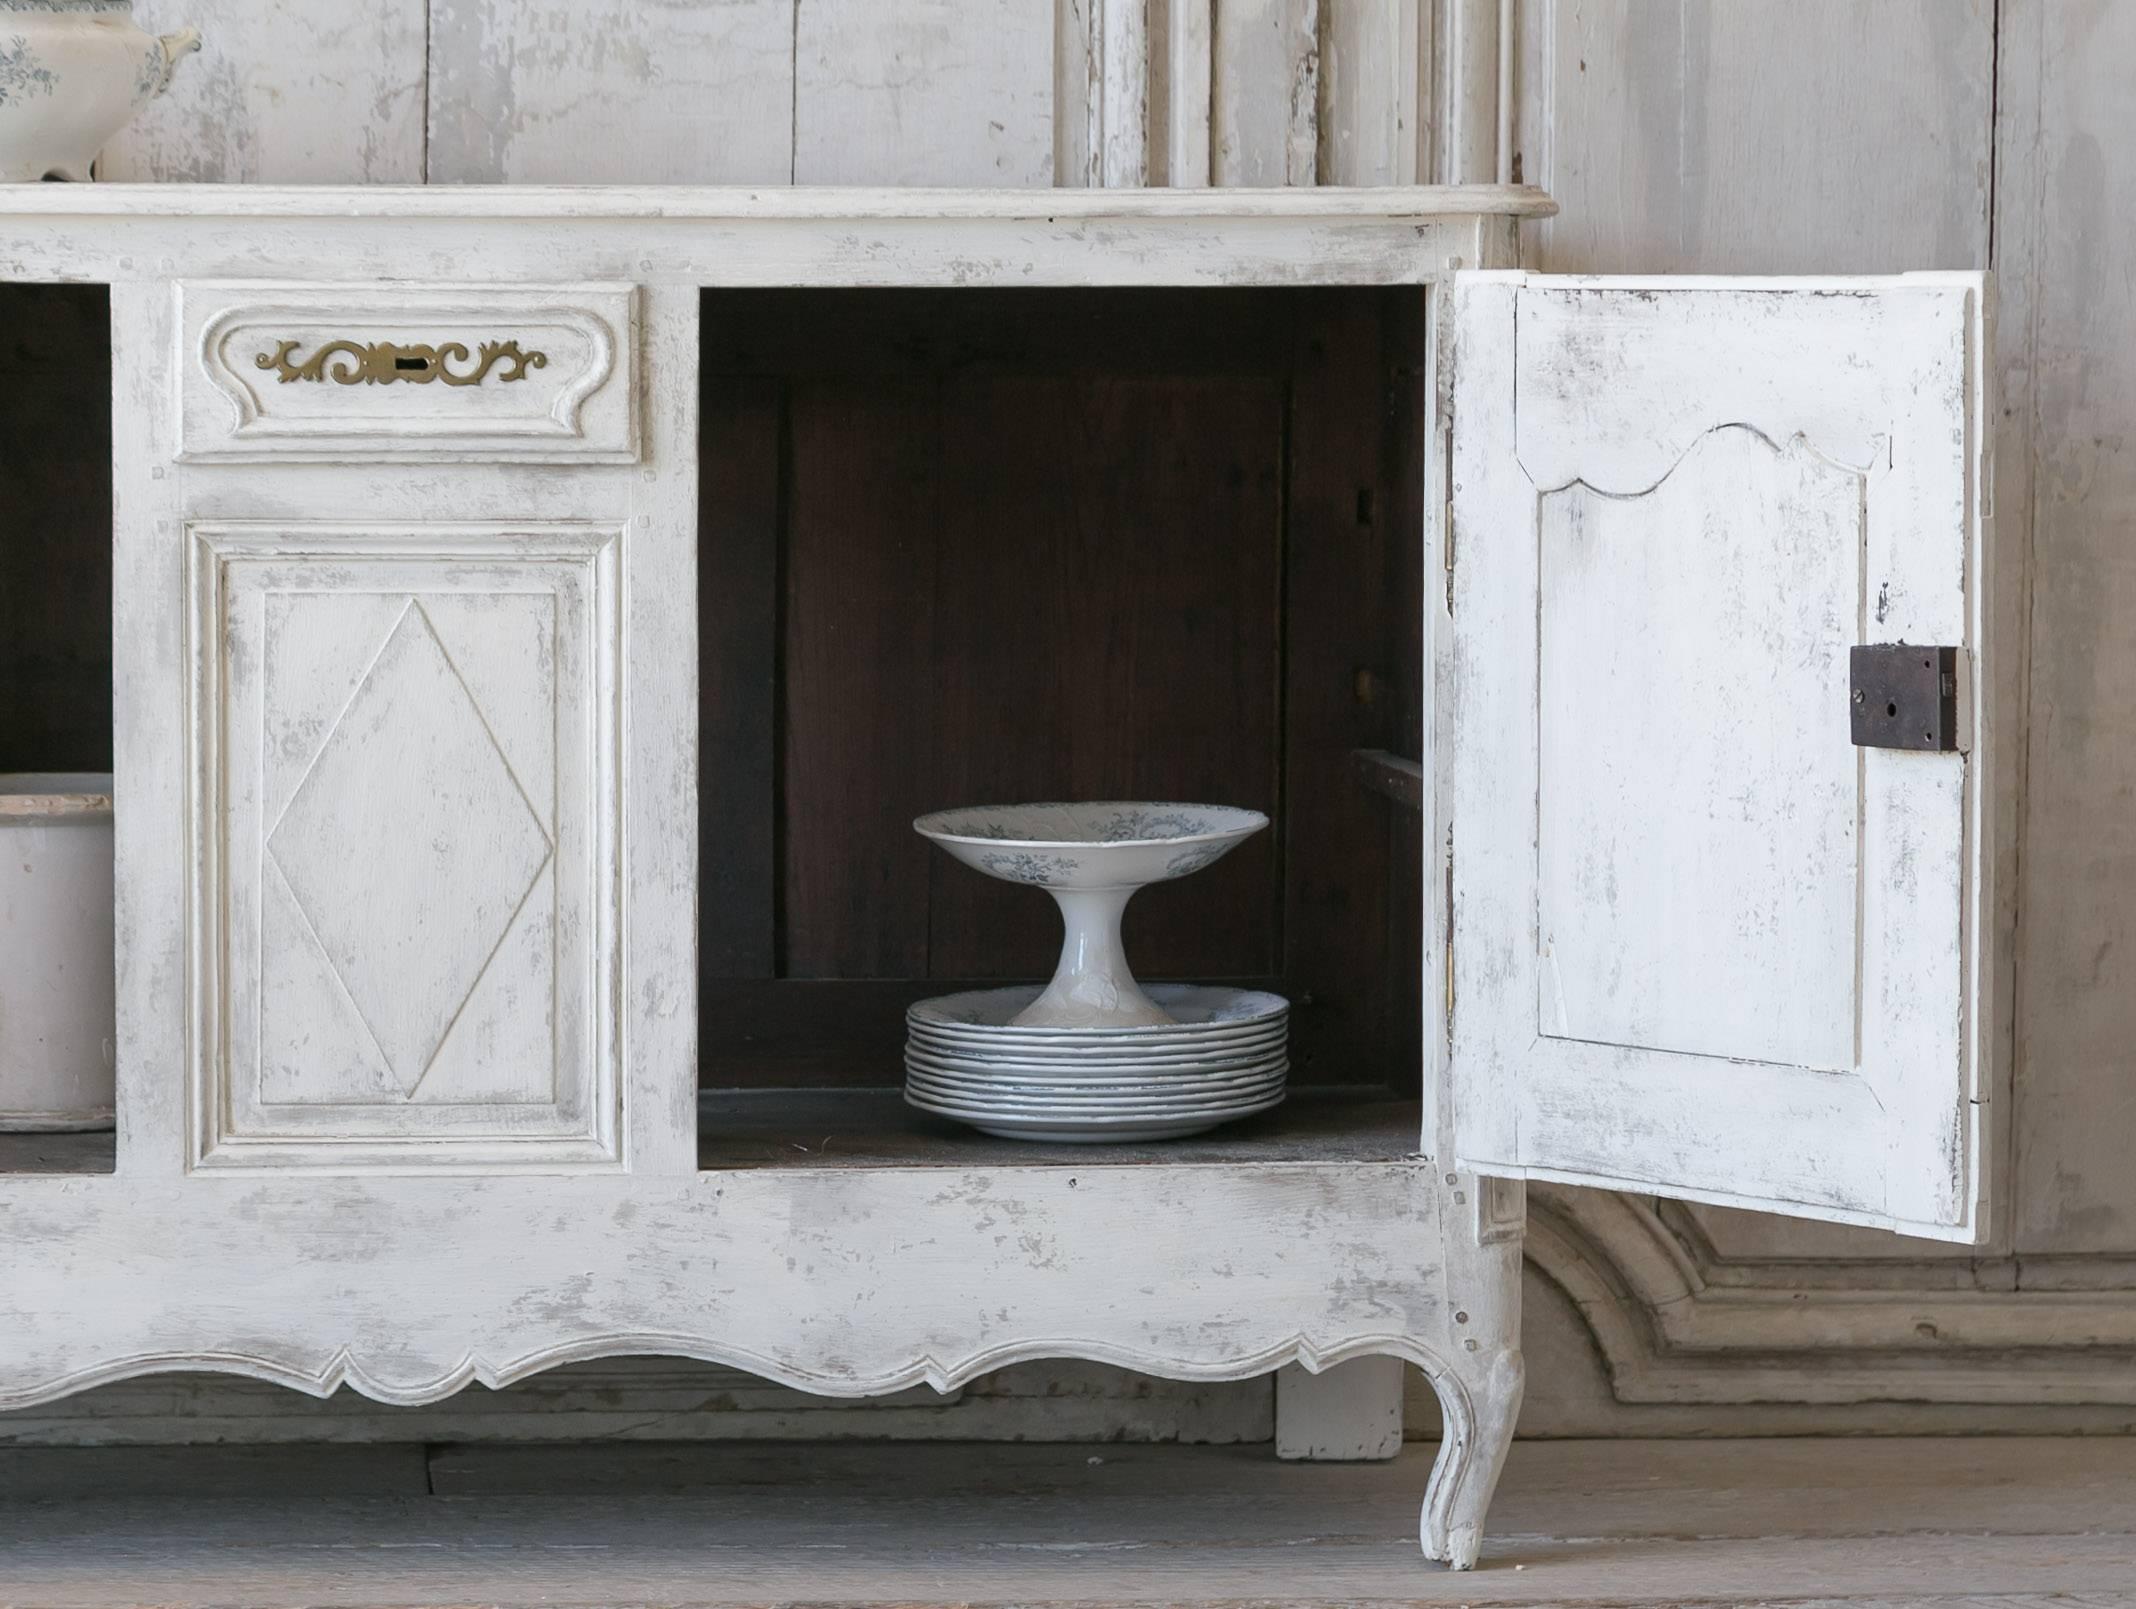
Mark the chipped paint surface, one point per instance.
(1722, 954)
(409, 1249)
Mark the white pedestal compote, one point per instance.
(1093, 1056)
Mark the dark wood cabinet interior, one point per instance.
(55, 528)
(963, 547)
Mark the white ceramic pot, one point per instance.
(72, 72)
(56, 1019)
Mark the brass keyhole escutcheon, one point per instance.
(348, 362)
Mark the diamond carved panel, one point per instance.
(410, 847)
(408, 803)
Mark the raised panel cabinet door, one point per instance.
(405, 741)
(1703, 944)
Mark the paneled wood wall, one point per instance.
(956, 92)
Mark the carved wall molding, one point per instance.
(1678, 1322)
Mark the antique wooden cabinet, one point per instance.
(535, 615)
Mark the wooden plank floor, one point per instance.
(1934, 1524)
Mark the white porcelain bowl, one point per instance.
(1107, 845)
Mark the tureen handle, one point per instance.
(176, 47)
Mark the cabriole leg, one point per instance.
(1480, 1401)
(1480, 1383)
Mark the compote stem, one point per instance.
(1092, 987)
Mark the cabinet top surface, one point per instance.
(1390, 204)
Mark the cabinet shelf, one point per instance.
(57, 1153)
(874, 1128)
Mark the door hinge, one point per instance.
(1447, 932)
(1908, 696)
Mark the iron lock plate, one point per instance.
(1907, 696)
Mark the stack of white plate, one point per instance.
(1223, 1057)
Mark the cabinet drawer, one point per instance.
(540, 373)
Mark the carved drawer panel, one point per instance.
(541, 373)
(405, 845)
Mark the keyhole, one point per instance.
(1891, 711)
(407, 364)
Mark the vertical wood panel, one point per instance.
(1467, 56)
(284, 93)
(1033, 552)
(1180, 85)
(863, 501)
(1372, 105)
(737, 650)
(1106, 627)
(611, 91)
(1342, 689)
(1264, 98)
(1821, 136)
(2067, 227)
(923, 92)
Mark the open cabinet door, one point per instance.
(1706, 943)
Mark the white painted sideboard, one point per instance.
(407, 809)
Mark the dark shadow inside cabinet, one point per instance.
(55, 698)
(55, 528)
(993, 546)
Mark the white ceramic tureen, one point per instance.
(71, 73)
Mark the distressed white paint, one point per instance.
(284, 94)
(1181, 82)
(1585, 1045)
(661, 1239)
(1102, 88)
(923, 92)
(828, 237)
(1265, 96)
(776, 1271)
(334, 663)
(408, 817)
(1697, 854)
(574, 398)
(1470, 54)
(1373, 118)
(1348, 1414)
(1708, 136)
(55, 952)
(1014, 92)
(611, 91)
(665, 1400)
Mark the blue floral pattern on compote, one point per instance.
(1024, 867)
